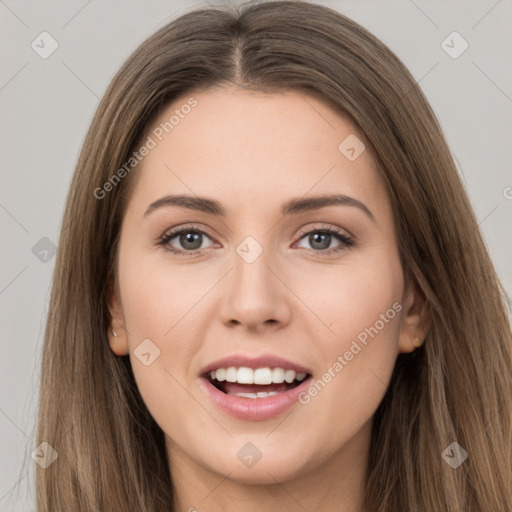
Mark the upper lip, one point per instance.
(265, 360)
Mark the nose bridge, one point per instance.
(255, 294)
(251, 268)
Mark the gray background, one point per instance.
(47, 104)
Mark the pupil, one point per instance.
(191, 237)
(324, 244)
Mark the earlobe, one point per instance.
(409, 344)
(118, 342)
(117, 337)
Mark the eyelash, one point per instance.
(347, 241)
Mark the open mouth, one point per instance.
(258, 383)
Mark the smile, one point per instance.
(254, 390)
(258, 383)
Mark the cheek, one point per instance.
(351, 298)
(162, 304)
(361, 305)
(160, 297)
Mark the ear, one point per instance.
(416, 318)
(119, 341)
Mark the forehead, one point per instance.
(250, 147)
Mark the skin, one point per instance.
(252, 152)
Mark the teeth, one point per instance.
(277, 375)
(231, 374)
(260, 394)
(221, 374)
(245, 376)
(289, 376)
(261, 376)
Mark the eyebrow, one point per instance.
(293, 206)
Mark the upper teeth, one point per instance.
(261, 376)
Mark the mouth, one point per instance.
(254, 389)
(256, 383)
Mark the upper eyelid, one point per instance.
(178, 229)
(304, 230)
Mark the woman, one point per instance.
(335, 337)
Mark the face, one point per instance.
(238, 286)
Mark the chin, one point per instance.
(266, 466)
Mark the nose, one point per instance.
(255, 295)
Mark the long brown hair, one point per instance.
(456, 388)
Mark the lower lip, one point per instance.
(254, 409)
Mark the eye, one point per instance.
(189, 238)
(321, 240)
